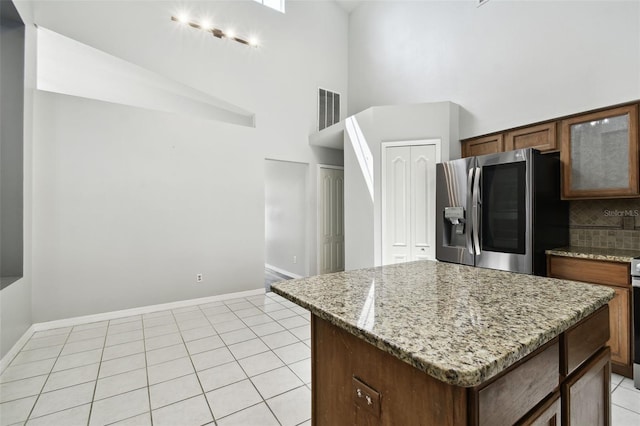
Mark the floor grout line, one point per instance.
(146, 367)
(93, 397)
(48, 374)
(195, 371)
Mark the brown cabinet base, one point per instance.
(407, 396)
(548, 414)
(355, 383)
(586, 395)
(616, 275)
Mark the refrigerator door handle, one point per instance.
(476, 213)
(469, 223)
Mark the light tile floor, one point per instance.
(234, 362)
(625, 402)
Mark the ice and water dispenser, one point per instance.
(454, 227)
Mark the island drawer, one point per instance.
(584, 339)
(507, 398)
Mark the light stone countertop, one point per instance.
(612, 255)
(459, 324)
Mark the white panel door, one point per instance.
(331, 220)
(423, 198)
(408, 203)
(397, 197)
(337, 262)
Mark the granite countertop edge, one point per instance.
(611, 255)
(456, 377)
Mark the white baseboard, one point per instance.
(282, 271)
(142, 310)
(67, 322)
(8, 357)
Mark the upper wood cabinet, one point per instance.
(541, 137)
(483, 145)
(599, 154)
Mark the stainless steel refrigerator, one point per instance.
(501, 211)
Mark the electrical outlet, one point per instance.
(295, 259)
(198, 278)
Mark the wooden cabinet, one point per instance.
(353, 382)
(405, 395)
(600, 150)
(483, 145)
(541, 137)
(620, 325)
(586, 396)
(579, 343)
(549, 413)
(616, 275)
(514, 393)
(599, 154)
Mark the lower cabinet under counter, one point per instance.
(356, 383)
(616, 275)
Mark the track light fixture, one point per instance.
(216, 32)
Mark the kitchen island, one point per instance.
(442, 344)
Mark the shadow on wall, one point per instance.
(69, 67)
(272, 277)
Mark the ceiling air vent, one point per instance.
(328, 108)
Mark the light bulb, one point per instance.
(253, 41)
(230, 33)
(206, 25)
(183, 17)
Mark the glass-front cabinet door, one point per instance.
(600, 154)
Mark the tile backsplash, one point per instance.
(605, 223)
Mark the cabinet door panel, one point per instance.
(549, 414)
(619, 323)
(484, 145)
(541, 137)
(600, 154)
(586, 396)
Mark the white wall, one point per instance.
(286, 215)
(278, 82)
(131, 203)
(507, 63)
(363, 216)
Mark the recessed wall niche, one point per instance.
(11, 143)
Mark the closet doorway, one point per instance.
(408, 200)
(330, 219)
